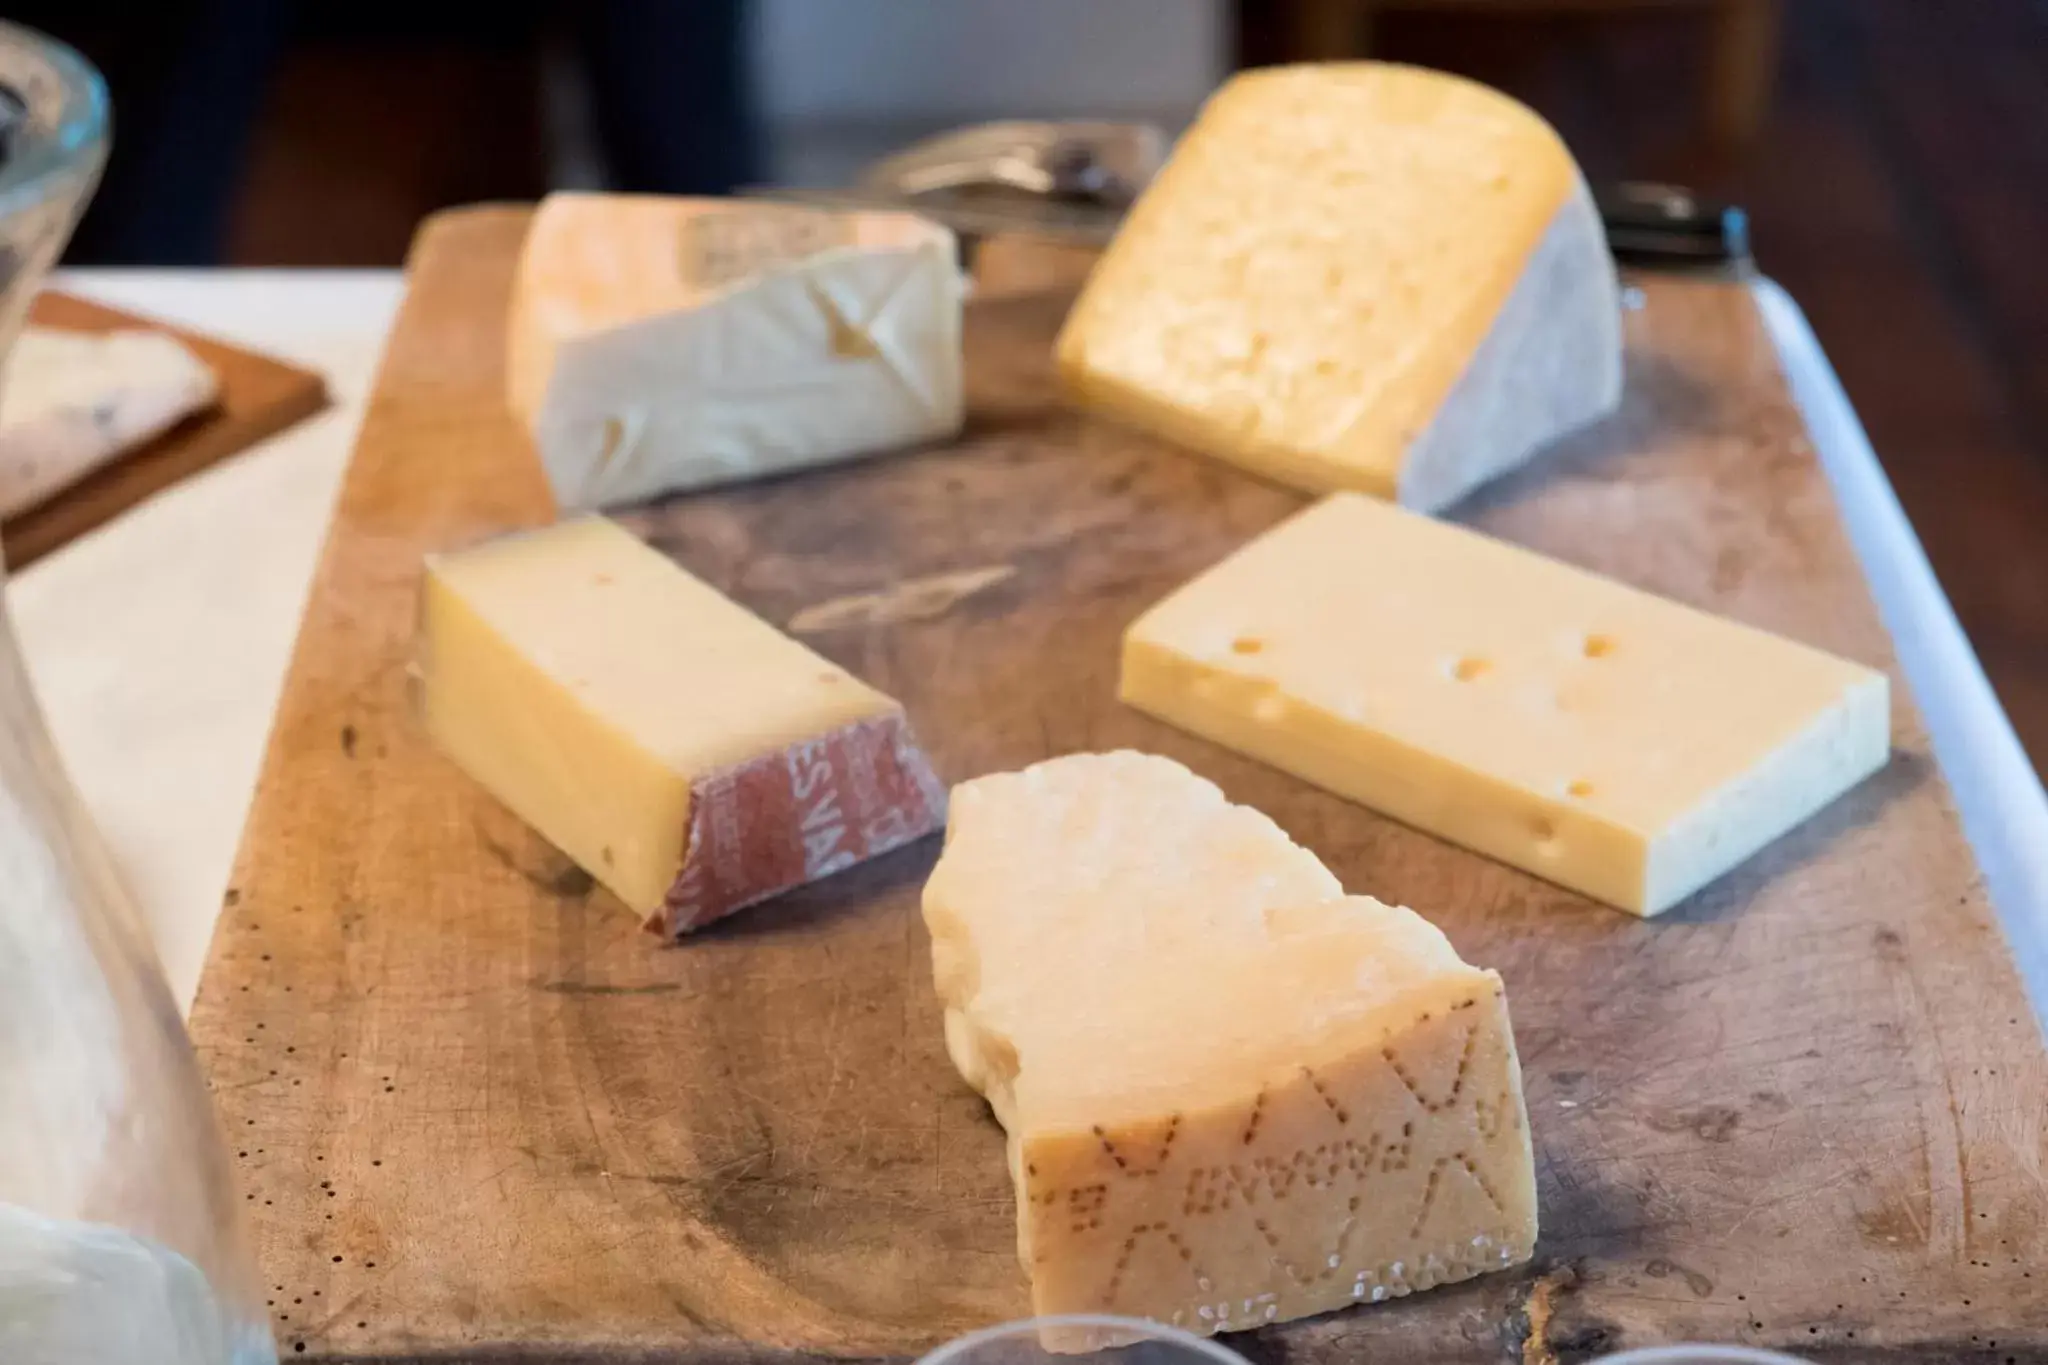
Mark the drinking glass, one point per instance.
(119, 1238)
(1123, 1341)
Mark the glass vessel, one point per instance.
(119, 1238)
(1125, 1341)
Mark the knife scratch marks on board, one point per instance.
(916, 599)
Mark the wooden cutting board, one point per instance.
(259, 397)
(480, 1116)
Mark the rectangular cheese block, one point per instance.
(657, 345)
(1611, 741)
(1358, 276)
(682, 751)
(1233, 1095)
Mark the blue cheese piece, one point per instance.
(72, 401)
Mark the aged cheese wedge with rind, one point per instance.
(1596, 735)
(657, 344)
(1233, 1094)
(682, 751)
(1360, 276)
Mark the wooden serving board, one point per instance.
(480, 1116)
(259, 397)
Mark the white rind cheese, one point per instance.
(658, 345)
(1233, 1094)
(1357, 276)
(1606, 739)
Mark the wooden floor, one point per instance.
(1900, 192)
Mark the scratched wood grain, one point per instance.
(479, 1116)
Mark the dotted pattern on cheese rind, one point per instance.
(1401, 1166)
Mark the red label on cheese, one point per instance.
(805, 812)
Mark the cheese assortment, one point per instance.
(1358, 276)
(684, 753)
(657, 345)
(1233, 1094)
(1611, 741)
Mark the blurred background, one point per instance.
(1893, 155)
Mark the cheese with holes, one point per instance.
(683, 752)
(1609, 740)
(1234, 1095)
(659, 344)
(1357, 276)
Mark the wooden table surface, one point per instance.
(479, 1115)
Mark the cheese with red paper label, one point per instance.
(689, 756)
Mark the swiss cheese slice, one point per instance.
(659, 344)
(1233, 1094)
(682, 751)
(1357, 276)
(1614, 742)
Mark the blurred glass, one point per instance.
(1055, 1340)
(1697, 1354)
(1134, 1341)
(119, 1239)
(53, 142)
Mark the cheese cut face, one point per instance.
(1356, 276)
(1611, 741)
(682, 751)
(659, 344)
(1233, 1094)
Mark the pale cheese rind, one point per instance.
(1233, 1094)
(657, 345)
(1359, 276)
(1609, 740)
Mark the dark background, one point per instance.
(1895, 167)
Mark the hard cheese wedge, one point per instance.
(1233, 1094)
(1357, 276)
(685, 753)
(661, 344)
(1609, 740)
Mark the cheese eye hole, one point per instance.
(1471, 668)
(1247, 644)
(1598, 646)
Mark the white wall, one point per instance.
(975, 59)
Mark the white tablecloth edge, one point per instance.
(2003, 807)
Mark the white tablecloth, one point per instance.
(159, 643)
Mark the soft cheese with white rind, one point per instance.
(1233, 1094)
(1609, 740)
(1359, 276)
(657, 345)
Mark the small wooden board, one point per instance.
(259, 397)
(480, 1116)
